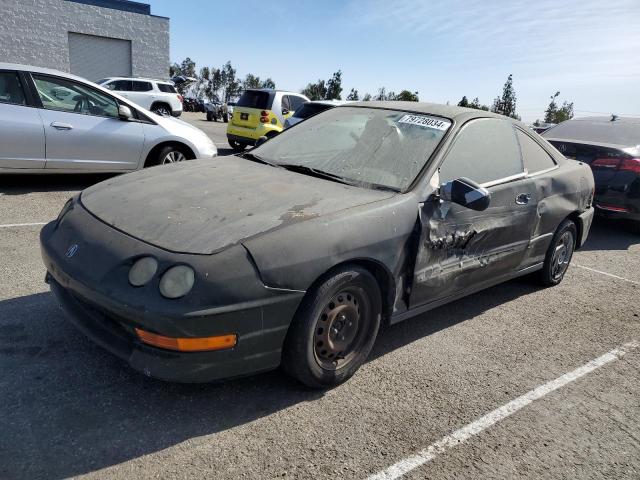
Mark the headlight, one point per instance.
(142, 271)
(177, 281)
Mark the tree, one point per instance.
(230, 85)
(407, 96)
(315, 91)
(506, 104)
(268, 83)
(553, 114)
(464, 102)
(367, 97)
(251, 81)
(353, 95)
(334, 87)
(174, 70)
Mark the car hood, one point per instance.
(205, 206)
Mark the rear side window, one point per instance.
(309, 109)
(256, 99)
(296, 102)
(166, 88)
(11, 90)
(485, 150)
(141, 86)
(535, 158)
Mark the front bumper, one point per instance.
(109, 317)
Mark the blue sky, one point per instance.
(588, 50)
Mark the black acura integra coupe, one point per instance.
(297, 252)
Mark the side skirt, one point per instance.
(451, 298)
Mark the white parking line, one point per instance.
(474, 428)
(607, 274)
(14, 225)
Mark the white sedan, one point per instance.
(54, 122)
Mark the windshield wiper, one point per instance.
(257, 158)
(315, 173)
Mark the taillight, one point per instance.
(626, 164)
(264, 116)
(606, 163)
(630, 165)
(180, 98)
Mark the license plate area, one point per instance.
(244, 116)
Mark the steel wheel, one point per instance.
(562, 255)
(341, 328)
(172, 157)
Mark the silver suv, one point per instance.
(54, 122)
(159, 96)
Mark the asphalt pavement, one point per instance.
(514, 382)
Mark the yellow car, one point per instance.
(259, 113)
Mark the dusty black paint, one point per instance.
(259, 237)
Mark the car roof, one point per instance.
(610, 131)
(459, 114)
(271, 90)
(30, 68)
(142, 79)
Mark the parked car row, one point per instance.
(157, 96)
(55, 122)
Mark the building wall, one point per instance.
(36, 32)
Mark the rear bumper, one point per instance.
(586, 219)
(618, 197)
(176, 113)
(249, 136)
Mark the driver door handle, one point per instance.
(523, 198)
(61, 126)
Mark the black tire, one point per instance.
(237, 146)
(165, 153)
(209, 116)
(225, 117)
(161, 109)
(559, 254)
(334, 329)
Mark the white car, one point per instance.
(54, 122)
(159, 96)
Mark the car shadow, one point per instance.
(68, 408)
(606, 234)
(21, 184)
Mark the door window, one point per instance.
(11, 90)
(121, 86)
(534, 156)
(68, 96)
(485, 150)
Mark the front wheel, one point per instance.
(334, 329)
(168, 155)
(559, 254)
(209, 116)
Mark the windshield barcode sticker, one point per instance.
(424, 121)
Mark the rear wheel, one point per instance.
(161, 109)
(334, 329)
(559, 254)
(209, 116)
(237, 146)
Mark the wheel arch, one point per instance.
(184, 148)
(380, 272)
(161, 102)
(575, 218)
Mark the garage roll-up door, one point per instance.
(95, 57)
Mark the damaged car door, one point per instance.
(462, 249)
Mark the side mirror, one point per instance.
(467, 193)
(261, 140)
(125, 113)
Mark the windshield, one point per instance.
(361, 145)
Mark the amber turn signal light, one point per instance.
(201, 344)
